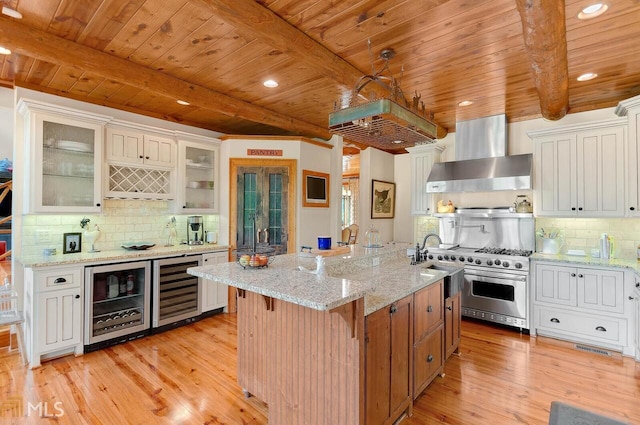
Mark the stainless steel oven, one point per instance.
(496, 295)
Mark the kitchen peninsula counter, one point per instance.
(301, 337)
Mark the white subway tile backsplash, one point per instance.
(584, 233)
(121, 221)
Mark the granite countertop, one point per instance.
(587, 260)
(117, 255)
(380, 275)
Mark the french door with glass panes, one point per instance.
(262, 208)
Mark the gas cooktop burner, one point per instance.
(504, 251)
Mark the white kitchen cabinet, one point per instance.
(128, 146)
(197, 177)
(53, 312)
(631, 109)
(579, 170)
(64, 159)
(581, 304)
(636, 306)
(214, 294)
(422, 159)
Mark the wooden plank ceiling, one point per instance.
(143, 55)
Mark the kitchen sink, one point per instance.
(454, 281)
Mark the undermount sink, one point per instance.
(454, 281)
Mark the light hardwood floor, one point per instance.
(188, 376)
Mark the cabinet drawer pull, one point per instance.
(60, 280)
(429, 358)
(429, 309)
(601, 328)
(449, 308)
(554, 320)
(393, 308)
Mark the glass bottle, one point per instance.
(373, 237)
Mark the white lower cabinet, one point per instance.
(214, 294)
(636, 308)
(583, 304)
(53, 312)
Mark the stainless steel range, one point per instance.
(494, 245)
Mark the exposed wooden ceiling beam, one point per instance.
(251, 17)
(24, 40)
(545, 38)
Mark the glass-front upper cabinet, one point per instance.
(198, 174)
(65, 159)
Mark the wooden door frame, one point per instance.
(234, 164)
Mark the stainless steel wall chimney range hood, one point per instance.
(481, 162)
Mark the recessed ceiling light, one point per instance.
(183, 102)
(587, 76)
(11, 12)
(4, 51)
(465, 103)
(592, 11)
(270, 83)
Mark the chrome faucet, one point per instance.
(424, 242)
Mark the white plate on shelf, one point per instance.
(72, 145)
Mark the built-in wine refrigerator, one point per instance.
(117, 303)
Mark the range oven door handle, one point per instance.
(489, 274)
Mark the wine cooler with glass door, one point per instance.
(117, 303)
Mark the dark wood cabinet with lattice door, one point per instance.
(263, 193)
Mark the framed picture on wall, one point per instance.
(383, 199)
(315, 189)
(72, 243)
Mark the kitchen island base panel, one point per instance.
(306, 364)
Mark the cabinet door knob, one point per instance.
(98, 204)
(580, 209)
(146, 157)
(429, 358)
(60, 280)
(77, 296)
(393, 309)
(632, 208)
(141, 157)
(554, 320)
(601, 328)
(449, 308)
(580, 276)
(573, 275)
(429, 309)
(573, 208)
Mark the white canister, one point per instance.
(212, 237)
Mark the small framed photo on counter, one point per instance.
(72, 243)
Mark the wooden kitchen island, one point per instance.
(301, 336)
